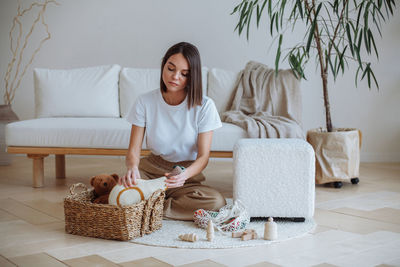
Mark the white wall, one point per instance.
(137, 34)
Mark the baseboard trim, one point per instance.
(379, 157)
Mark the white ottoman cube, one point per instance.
(275, 177)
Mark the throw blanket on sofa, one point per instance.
(265, 105)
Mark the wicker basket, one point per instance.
(82, 217)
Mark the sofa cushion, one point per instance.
(95, 133)
(69, 132)
(135, 81)
(220, 87)
(83, 92)
(225, 138)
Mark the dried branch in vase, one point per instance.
(15, 69)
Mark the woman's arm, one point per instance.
(132, 158)
(203, 146)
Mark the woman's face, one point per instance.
(176, 73)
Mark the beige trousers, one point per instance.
(180, 203)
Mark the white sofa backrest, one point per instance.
(109, 91)
(134, 82)
(220, 87)
(83, 92)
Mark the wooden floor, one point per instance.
(358, 225)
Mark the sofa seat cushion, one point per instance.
(69, 132)
(110, 133)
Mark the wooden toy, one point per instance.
(245, 235)
(188, 237)
(270, 230)
(210, 231)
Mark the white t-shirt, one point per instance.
(172, 131)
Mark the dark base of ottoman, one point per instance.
(291, 219)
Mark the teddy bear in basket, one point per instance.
(103, 184)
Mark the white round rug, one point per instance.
(167, 236)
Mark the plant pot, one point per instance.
(6, 116)
(337, 154)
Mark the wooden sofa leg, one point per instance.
(60, 166)
(38, 169)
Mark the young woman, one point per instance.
(179, 123)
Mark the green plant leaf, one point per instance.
(235, 9)
(371, 36)
(336, 6)
(272, 23)
(296, 58)
(282, 11)
(350, 41)
(336, 65)
(367, 71)
(357, 72)
(313, 26)
(278, 54)
(311, 35)
(249, 19)
(331, 65)
(365, 33)
(366, 14)
(300, 8)
(242, 19)
(270, 7)
(360, 8)
(341, 61)
(360, 35)
(357, 51)
(259, 12)
(376, 82)
(389, 4)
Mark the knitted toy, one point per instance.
(103, 184)
(229, 218)
(201, 217)
(121, 195)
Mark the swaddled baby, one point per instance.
(122, 196)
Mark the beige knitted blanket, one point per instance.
(265, 105)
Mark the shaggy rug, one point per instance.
(167, 236)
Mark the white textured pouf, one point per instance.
(275, 177)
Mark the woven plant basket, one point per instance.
(82, 217)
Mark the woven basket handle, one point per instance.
(74, 186)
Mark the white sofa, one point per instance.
(81, 111)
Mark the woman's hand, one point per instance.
(129, 179)
(174, 181)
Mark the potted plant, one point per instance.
(336, 32)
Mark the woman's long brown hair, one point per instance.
(194, 87)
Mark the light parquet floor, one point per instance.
(358, 225)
